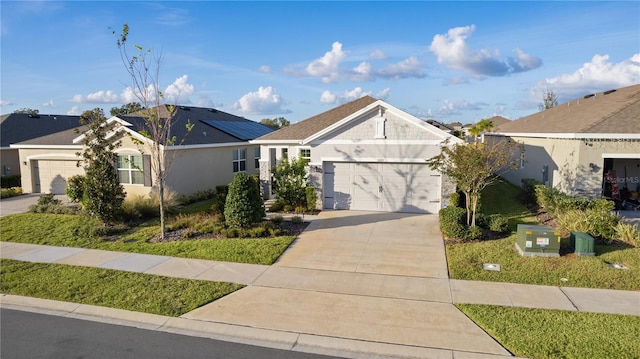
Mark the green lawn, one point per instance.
(465, 259)
(72, 231)
(542, 334)
(109, 288)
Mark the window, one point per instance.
(285, 153)
(305, 153)
(130, 169)
(256, 156)
(240, 160)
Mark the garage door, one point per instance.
(388, 187)
(50, 176)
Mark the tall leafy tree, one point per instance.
(549, 100)
(474, 166)
(275, 122)
(143, 68)
(481, 126)
(103, 192)
(126, 109)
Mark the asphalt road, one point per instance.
(31, 335)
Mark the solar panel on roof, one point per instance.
(244, 130)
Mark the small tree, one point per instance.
(549, 100)
(28, 111)
(126, 109)
(275, 122)
(144, 71)
(102, 189)
(290, 179)
(473, 167)
(244, 205)
(481, 126)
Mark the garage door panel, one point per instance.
(393, 187)
(51, 175)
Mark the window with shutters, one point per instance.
(130, 169)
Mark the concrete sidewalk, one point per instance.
(354, 284)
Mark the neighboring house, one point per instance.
(211, 153)
(19, 127)
(573, 145)
(498, 121)
(440, 126)
(364, 155)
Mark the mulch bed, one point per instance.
(287, 228)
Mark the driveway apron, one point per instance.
(370, 276)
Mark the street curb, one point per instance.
(298, 342)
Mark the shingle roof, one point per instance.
(499, 121)
(201, 133)
(317, 123)
(609, 112)
(17, 127)
(60, 138)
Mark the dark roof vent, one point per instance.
(32, 115)
(609, 91)
(212, 110)
(589, 95)
(185, 108)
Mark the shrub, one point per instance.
(287, 208)
(498, 223)
(220, 199)
(170, 200)
(474, 233)
(452, 222)
(277, 219)
(277, 206)
(244, 205)
(139, 206)
(103, 231)
(529, 189)
(198, 196)
(296, 219)
(290, 181)
(49, 204)
(454, 199)
(547, 197)
(10, 192)
(257, 232)
(627, 233)
(10, 181)
(311, 197)
(75, 188)
(231, 232)
(597, 223)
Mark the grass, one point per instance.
(110, 288)
(72, 231)
(465, 259)
(541, 334)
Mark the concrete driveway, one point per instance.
(20, 204)
(369, 276)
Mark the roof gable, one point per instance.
(604, 113)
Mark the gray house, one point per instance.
(364, 155)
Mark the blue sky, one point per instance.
(450, 61)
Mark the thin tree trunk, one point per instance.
(467, 203)
(474, 205)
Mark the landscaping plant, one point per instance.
(290, 180)
(244, 205)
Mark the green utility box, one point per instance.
(542, 241)
(582, 244)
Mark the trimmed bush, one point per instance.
(498, 223)
(296, 219)
(529, 189)
(277, 206)
(454, 199)
(10, 192)
(311, 197)
(244, 206)
(474, 233)
(10, 181)
(277, 219)
(220, 199)
(628, 233)
(452, 222)
(75, 188)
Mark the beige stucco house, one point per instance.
(573, 145)
(210, 154)
(364, 155)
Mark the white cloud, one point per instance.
(77, 98)
(456, 108)
(326, 67)
(5, 103)
(382, 95)
(74, 111)
(409, 67)
(265, 101)
(265, 69)
(49, 103)
(329, 97)
(453, 50)
(179, 91)
(102, 97)
(377, 55)
(362, 72)
(597, 75)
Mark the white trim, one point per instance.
(54, 156)
(269, 142)
(56, 147)
(621, 155)
(580, 136)
(377, 142)
(205, 145)
(374, 160)
(128, 149)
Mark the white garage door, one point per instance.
(51, 176)
(388, 187)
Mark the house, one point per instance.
(210, 154)
(19, 127)
(364, 155)
(574, 145)
(439, 125)
(498, 121)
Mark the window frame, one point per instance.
(239, 160)
(302, 156)
(256, 157)
(130, 169)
